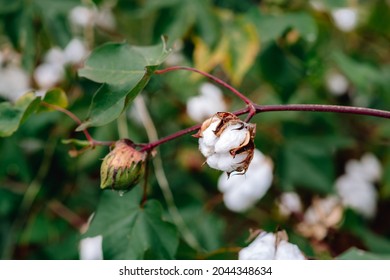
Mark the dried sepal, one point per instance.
(123, 167)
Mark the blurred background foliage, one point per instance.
(275, 51)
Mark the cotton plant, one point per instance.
(207, 103)
(271, 246)
(336, 83)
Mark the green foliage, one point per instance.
(131, 231)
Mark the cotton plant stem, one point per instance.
(123, 130)
(162, 178)
(28, 199)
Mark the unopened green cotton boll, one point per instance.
(123, 167)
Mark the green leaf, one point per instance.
(124, 71)
(271, 27)
(55, 96)
(357, 254)
(12, 115)
(10, 6)
(132, 232)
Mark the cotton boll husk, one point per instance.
(90, 248)
(357, 194)
(232, 137)
(262, 248)
(288, 251)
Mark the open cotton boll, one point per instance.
(337, 83)
(48, 75)
(206, 150)
(75, 51)
(290, 203)
(262, 248)
(368, 168)
(14, 82)
(206, 104)
(232, 137)
(208, 135)
(271, 246)
(345, 19)
(81, 16)
(372, 167)
(357, 194)
(241, 192)
(288, 251)
(90, 248)
(55, 56)
(225, 161)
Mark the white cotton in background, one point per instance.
(209, 102)
(357, 194)
(290, 203)
(75, 51)
(368, 168)
(14, 82)
(48, 75)
(267, 247)
(337, 83)
(242, 191)
(81, 16)
(105, 19)
(321, 211)
(55, 56)
(345, 19)
(91, 248)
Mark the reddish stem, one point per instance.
(152, 145)
(323, 108)
(211, 77)
(78, 121)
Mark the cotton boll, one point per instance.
(225, 161)
(90, 248)
(206, 150)
(206, 104)
(75, 51)
(81, 16)
(237, 201)
(241, 192)
(288, 251)
(232, 137)
(55, 56)
(337, 83)
(105, 19)
(357, 194)
(14, 82)
(372, 167)
(262, 248)
(345, 19)
(290, 203)
(208, 135)
(210, 91)
(48, 75)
